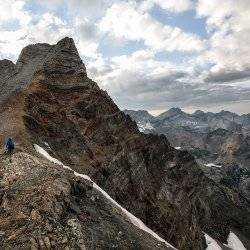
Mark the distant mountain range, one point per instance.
(221, 138)
(199, 120)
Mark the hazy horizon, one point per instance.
(189, 111)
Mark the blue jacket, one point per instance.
(10, 143)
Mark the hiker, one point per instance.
(10, 146)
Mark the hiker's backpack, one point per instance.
(10, 144)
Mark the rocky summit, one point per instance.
(72, 143)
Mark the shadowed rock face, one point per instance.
(224, 142)
(87, 131)
(61, 107)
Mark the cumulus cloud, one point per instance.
(228, 24)
(88, 9)
(12, 10)
(49, 28)
(224, 76)
(139, 81)
(175, 6)
(87, 37)
(124, 20)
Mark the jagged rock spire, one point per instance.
(64, 59)
(58, 65)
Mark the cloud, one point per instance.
(228, 76)
(139, 81)
(87, 37)
(85, 9)
(124, 20)
(175, 6)
(49, 28)
(229, 49)
(12, 10)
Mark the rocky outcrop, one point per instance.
(7, 68)
(63, 111)
(57, 61)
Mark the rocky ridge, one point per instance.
(46, 207)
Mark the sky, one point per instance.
(148, 54)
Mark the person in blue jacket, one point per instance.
(10, 146)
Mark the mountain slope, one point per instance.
(44, 207)
(143, 117)
(60, 109)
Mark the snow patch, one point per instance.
(143, 127)
(211, 165)
(134, 220)
(178, 148)
(41, 151)
(211, 243)
(234, 242)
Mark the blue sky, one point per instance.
(187, 20)
(148, 54)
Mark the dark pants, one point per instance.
(10, 152)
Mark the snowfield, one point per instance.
(134, 220)
(211, 243)
(234, 242)
(143, 127)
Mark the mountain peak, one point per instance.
(6, 67)
(58, 65)
(139, 115)
(176, 110)
(197, 112)
(67, 44)
(225, 112)
(67, 41)
(46, 61)
(170, 112)
(62, 57)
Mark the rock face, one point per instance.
(221, 139)
(59, 108)
(56, 61)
